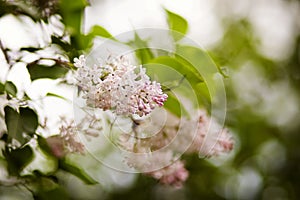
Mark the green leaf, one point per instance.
(18, 123)
(142, 51)
(17, 159)
(29, 120)
(13, 124)
(173, 105)
(76, 172)
(47, 188)
(63, 44)
(58, 193)
(37, 71)
(177, 24)
(49, 94)
(72, 12)
(10, 88)
(44, 146)
(190, 73)
(200, 60)
(100, 31)
(83, 41)
(73, 5)
(2, 88)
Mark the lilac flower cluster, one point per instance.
(66, 141)
(186, 136)
(118, 86)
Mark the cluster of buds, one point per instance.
(118, 86)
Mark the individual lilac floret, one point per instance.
(118, 86)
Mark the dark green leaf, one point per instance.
(18, 123)
(100, 31)
(17, 159)
(29, 120)
(76, 172)
(37, 71)
(14, 124)
(177, 24)
(2, 88)
(63, 44)
(10, 88)
(58, 193)
(44, 146)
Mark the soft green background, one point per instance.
(262, 87)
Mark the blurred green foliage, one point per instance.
(278, 170)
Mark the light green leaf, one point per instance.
(49, 94)
(72, 12)
(200, 60)
(177, 24)
(142, 51)
(64, 165)
(183, 69)
(100, 31)
(173, 105)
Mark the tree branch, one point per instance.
(5, 53)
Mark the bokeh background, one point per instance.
(257, 43)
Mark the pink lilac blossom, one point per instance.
(210, 144)
(173, 175)
(66, 141)
(118, 86)
(187, 136)
(90, 125)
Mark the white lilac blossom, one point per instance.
(118, 86)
